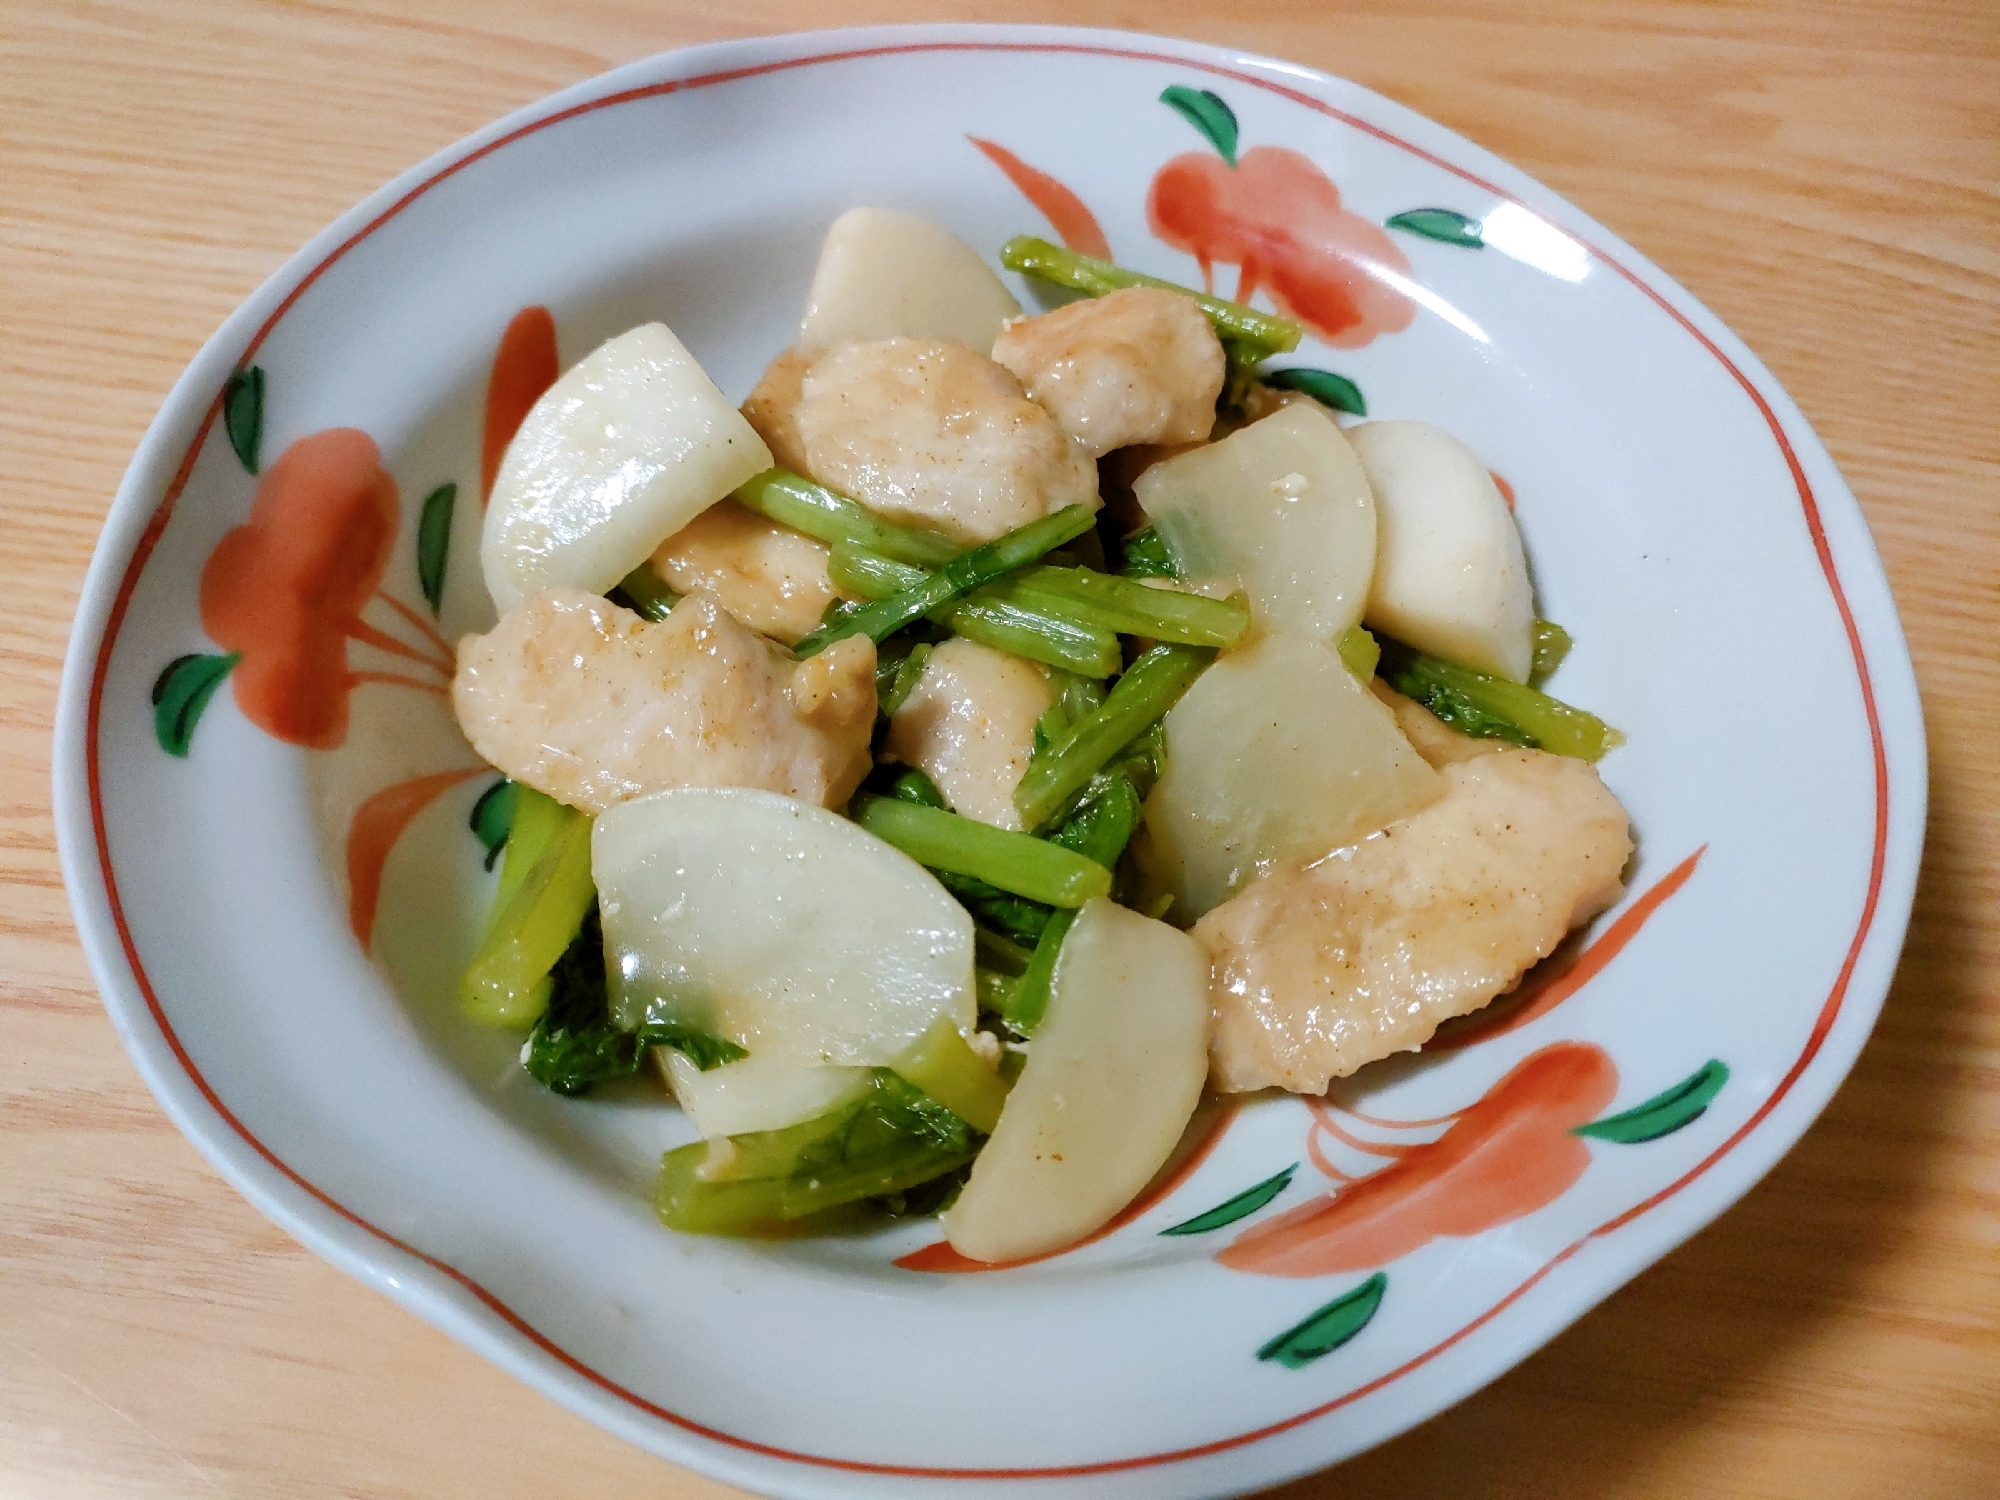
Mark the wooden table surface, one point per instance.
(1821, 175)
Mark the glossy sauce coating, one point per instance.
(1320, 971)
(589, 703)
(769, 576)
(969, 725)
(1141, 365)
(927, 431)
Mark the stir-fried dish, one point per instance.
(1002, 728)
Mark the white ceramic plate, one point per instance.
(1682, 520)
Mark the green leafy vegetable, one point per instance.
(1001, 954)
(1359, 651)
(1552, 644)
(837, 611)
(1001, 918)
(704, 1049)
(1263, 333)
(854, 568)
(944, 1066)
(955, 579)
(1052, 725)
(576, 1046)
(996, 615)
(434, 543)
(536, 820)
(1030, 999)
(889, 1140)
(797, 502)
(1080, 696)
(1142, 761)
(1011, 862)
(645, 593)
(1075, 697)
(243, 414)
(508, 982)
(908, 671)
(1152, 685)
(1129, 607)
(889, 659)
(1023, 921)
(1145, 555)
(1021, 627)
(995, 990)
(1104, 823)
(181, 692)
(908, 784)
(1017, 919)
(926, 1199)
(1488, 707)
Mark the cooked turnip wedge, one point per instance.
(756, 1093)
(1114, 1074)
(1280, 509)
(1276, 755)
(1450, 577)
(776, 924)
(629, 446)
(884, 274)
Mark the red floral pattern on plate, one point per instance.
(285, 590)
(1279, 218)
(1502, 1158)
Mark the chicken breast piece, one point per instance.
(772, 408)
(591, 704)
(926, 431)
(1141, 365)
(1320, 971)
(769, 576)
(969, 725)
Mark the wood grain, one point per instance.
(1822, 175)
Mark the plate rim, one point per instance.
(459, 1306)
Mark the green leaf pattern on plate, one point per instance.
(1208, 114)
(181, 692)
(434, 543)
(1665, 1112)
(1241, 1206)
(1446, 225)
(243, 413)
(1329, 1328)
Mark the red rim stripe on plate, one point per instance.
(149, 539)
